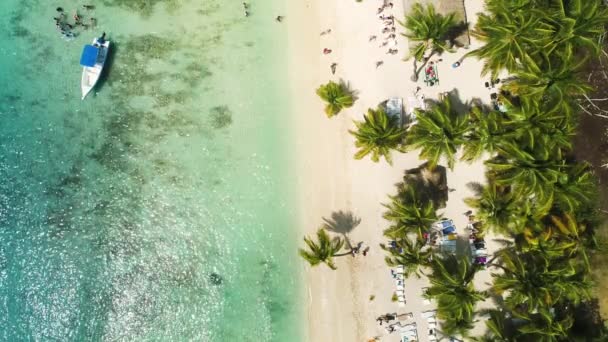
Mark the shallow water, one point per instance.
(160, 207)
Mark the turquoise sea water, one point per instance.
(160, 208)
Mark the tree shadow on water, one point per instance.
(341, 222)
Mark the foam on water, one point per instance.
(159, 208)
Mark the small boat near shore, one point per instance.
(92, 60)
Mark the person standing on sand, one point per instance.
(333, 68)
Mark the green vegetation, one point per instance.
(430, 32)
(337, 96)
(452, 288)
(409, 214)
(322, 251)
(414, 256)
(439, 132)
(377, 135)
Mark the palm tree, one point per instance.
(457, 327)
(528, 174)
(576, 27)
(540, 129)
(575, 238)
(534, 281)
(487, 131)
(577, 190)
(554, 81)
(500, 327)
(544, 326)
(337, 96)
(452, 288)
(495, 206)
(322, 251)
(509, 36)
(414, 256)
(378, 135)
(429, 31)
(409, 215)
(439, 132)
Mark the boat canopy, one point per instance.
(89, 56)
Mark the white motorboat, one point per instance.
(92, 60)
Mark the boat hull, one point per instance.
(90, 75)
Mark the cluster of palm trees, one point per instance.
(537, 195)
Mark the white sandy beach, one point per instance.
(330, 179)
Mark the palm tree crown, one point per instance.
(337, 96)
(409, 215)
(322, 251)
(414, 256)
(428, 29)
(452, 288)
(439, 132)
(377, 135)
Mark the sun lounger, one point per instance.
(428, 314)
(400, 287)
(409, 333)
(405, 316)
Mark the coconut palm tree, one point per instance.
(533, 281)
(337, 97)
(409, 215)
(543, 326)
(577, 190)
(487, 131)
(574, 237)
(553, 81)
(429, 31)
(575, 27)
(495, 206)
(377, 135)
(452, 288)
(529, 175)
(413, 255)
(509, 36)
(439, 132)
(457, 327)
(500, 327)
(538, 128)
(322, 251)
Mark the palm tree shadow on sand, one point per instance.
(429, 184)
(341, 222)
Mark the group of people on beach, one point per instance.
(388, 29)
(67, 29)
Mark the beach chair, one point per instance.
(429, 313)
(405, 316)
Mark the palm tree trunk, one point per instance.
(417, 71)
